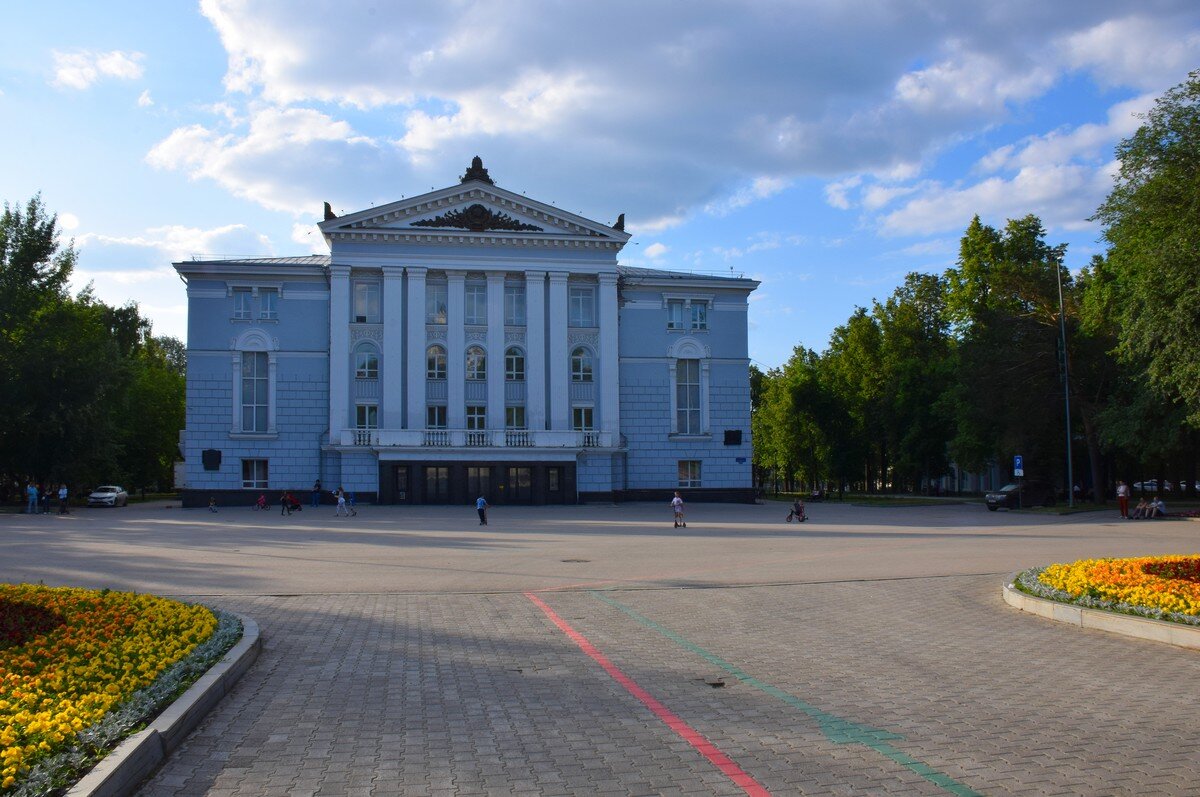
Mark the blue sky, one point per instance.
(824, 148)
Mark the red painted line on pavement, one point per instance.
(689, 734)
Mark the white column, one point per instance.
(391, 404)
(339, 351)
(535, 349)
(495, 350)
(416, 347)
(610, 361)
(560, 414)
(456, 350)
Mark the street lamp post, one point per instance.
(1062, 330)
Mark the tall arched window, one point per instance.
(476, 364)
(514, 365)
(435, 363)
(366, 362)
(581, 365)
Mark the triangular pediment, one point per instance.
(474, 208)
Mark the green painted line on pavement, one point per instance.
(836, 729)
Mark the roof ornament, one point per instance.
(620, 225)
(329, 214)
(477, 172)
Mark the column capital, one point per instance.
(495, 276)
(393, 274)
(454, 275)
(339, 271)
(416, 271)
(534, 274)
(558, 276)
(607, 277)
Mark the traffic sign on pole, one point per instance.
(1018, 465)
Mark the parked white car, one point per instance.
(108, 495)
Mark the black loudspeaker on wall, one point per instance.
(211, 458)
(733, 437)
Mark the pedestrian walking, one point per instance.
(481, 506)
(316, 494)
(285, 503)
(352, 503)
(677, 510)
(212, 504)
(62, 499)
(31, 494)
(46, 500)
(341, 503)
(1123, 498)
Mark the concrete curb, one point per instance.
(133, 760)
(1184, 636)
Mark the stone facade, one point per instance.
(466, 341)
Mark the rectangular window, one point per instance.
(366, 364)
(553, 477)
(475, 307)
(675, 314)
(476, 418)
(581, 419)
(479, 481)
(254, 391)
(689, 473)
(581, 307)
(254, 474)
(699, 315)
(268, 303)
(435, 416)
(514, 305)
(366, 303)
(687, 397)
(437, 485)
(435, 303)
(366, 416)
(241, 303)
(514, 417)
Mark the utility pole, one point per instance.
(1066, 373)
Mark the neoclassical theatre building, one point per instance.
(469, 341)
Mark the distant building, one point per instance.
(466, 341)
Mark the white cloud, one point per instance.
(172, 243)
(68, 221)
(655, 250)
(1141, 51)
(837, 193)
(144, 100)
(759, 188)
(82, 68)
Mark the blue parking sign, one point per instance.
(1018, 465)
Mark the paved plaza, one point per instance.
(595, 650)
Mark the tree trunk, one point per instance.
(1095, 461)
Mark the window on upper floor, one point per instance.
(514, 365)
(255, 398)
(268, 303)
(514, 417)
(435, 416)
(581, 307)
(475, 304)
(582, 419)
(366, 363)
(514, 305)
(435, 303)
(476, 417)
(687, 314)
(435, 363)
(581, 365)
(366, 302)
(687, 397)
(243, 309)
(366, 416)
(476, 364)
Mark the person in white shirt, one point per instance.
(677, 509)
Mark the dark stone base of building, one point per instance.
(245, 499)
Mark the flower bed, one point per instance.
(75, 669)
(1160, 587)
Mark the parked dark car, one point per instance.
(1028, 493)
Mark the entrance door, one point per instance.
(520, 485)
(479, 482)
(437, 485)
(400, 484)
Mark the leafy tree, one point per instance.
(1150, 222)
